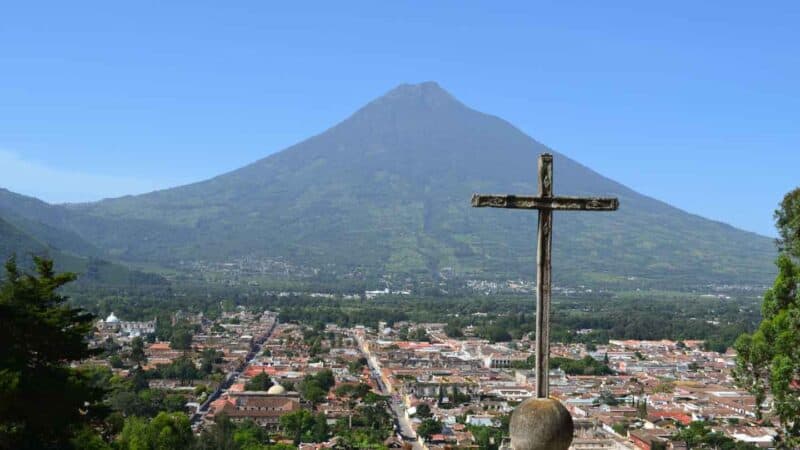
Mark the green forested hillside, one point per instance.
(15, 241)
(388, 190)
(92, 270)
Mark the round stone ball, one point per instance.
(541, 424)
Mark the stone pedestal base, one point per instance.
(541, 424)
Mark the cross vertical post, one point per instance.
(545, 202)
(543, 278)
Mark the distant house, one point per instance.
(132, 329)
(263, 408)
(503, 360)
(648, 440)
(482, 420)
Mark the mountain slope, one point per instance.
(15, 241)
(387, 191)
(26, 237)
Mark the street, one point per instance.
(230, 378)
(397, 407)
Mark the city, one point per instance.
(441, 391)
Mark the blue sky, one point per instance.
(694, 103)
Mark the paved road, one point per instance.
(230, 378)
(397, 407)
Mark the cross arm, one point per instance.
(551, 203)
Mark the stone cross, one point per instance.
(546, 203)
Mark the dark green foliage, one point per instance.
(621, 428)
(137, 351)
(164, 432)
(130, 401)
(40, 335)
(116, 362)
(585, 366)
(429, 427)
(457, 397)
(418, 334)
(375, 417)
(174, 402)
(423, 411)
(260, 382)
(607, 398)
(787, 219)
(368, 427)
(182, 369)
(88, 439)
(220, 436)
(314, 388)
(25, 237)
(181, 339)
(372, 398)
(488, 438)
(699, 436)
(768, 360)
(495, 333)
(227, 435)
(303, 426)
(325, 379)
(353, 390)
(208, 358)
(356, 366)
(453, 330)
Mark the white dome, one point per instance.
(276, 389)
(112, 318)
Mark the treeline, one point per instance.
(649, 315)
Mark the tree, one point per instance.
(164, 432)
(314, 388)
(182, 369)
(325, 379)
(220, 436)
(40, 335)
(497, 333)
(312, 392)
(249, 435)
(452, 330)
(787, 220)
(88, 439)
(419, 334)
(137, 351)
(356, 366)
(352, 390)
(487, 437)
(699, 436)
(768, 359)
(174, 403)
(181, 339)
(260, 382)
(424, 411)
(208, 358)
(303, 426)
(116, 362)
(429, 427)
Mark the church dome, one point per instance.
(112, 318)
(276, 389)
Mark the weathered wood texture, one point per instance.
(541, 202)
(545, 203)
(543, 279)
